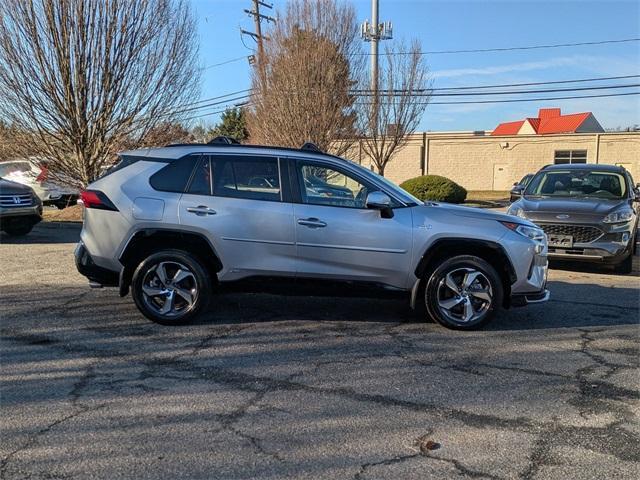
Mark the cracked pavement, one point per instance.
(298, 387)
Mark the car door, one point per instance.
(238, 201)
(337, 237)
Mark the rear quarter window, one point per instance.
(175, 176)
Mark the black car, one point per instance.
(589, 212)
(518, 187)
(20, 208)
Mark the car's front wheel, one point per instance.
(17, 229)
(171, 287)
(463, 292)
(625, 266)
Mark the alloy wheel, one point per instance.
(170, 289)
(464, 295)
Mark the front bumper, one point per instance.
(612, 245)
(522, 299)
(98, 276)
(34, 212)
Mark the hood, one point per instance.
(579, 206)
(13, 188)
(475, 213)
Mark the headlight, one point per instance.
(534, 233)
(516, 211)
(619, 217)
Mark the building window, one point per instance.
(570, 156)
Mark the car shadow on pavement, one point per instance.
(575, 305)
(572, 305)
(594, 267)
(46, 233)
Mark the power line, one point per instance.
(536, 99)
(237, 59)
(394, 93)
(506, 49)
(597, 79)
(481, 50)
(213, 101)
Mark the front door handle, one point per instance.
(201, 210)
(311, 222)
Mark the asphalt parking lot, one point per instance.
(299, 387)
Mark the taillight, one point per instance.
(97, 199)
(42, 176)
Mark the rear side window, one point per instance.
(175, 176)
(253, 178)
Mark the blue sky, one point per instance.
(454, 25)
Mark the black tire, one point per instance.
(438, 292)
(625, 266)
(197, 283)
(17, 229)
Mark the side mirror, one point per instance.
(517, 190)
(515, 184)
(380, 201)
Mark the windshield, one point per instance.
(13, 168)
(577, 184)
(405, 196)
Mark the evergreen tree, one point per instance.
(232, 124)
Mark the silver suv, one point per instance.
(178, 223)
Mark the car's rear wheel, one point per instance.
(463, 292)
(171, 287)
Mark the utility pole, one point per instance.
(374, 32)
(257, 35)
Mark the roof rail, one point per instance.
(223, 140)
(186, 145)
(311, 147)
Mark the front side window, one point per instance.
(321, 185)
(577, 183)
(253, 178)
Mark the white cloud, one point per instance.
(602, 64)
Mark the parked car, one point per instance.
(20, 208)
(589, 212)
(35, 174)
(174, 224)
(518, 187)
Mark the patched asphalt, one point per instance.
(279, 387)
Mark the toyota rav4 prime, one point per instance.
(176, 224)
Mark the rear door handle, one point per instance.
(201, 210)
(311, 222)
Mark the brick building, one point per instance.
(495, 160)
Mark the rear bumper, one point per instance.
(98, 276)
(522, 299)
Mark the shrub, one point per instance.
(436, 188)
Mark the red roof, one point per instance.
(549, 120)
(545, 113)
(563, 123)
(509, 128)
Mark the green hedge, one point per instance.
(436, 188)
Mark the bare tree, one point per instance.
(310, 66)
(387, 118)
(84, 76)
